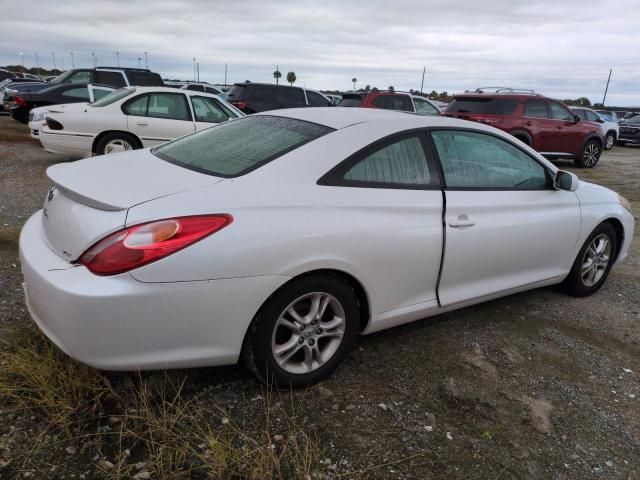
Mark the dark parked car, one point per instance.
(112, 76)
(56, 94)
(9, 92)
(259, 97)
(543, 123)
(352, 99)
(630, 131)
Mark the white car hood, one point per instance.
(120, 181)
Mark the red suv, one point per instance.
(544, 124)
(390, 100)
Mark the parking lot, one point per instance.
(535, 385)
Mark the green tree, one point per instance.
(277, 75)
(354, 80)
(291, 78)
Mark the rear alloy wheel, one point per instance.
(593, 263)
(609, 141)
(303, 332)
(590, 155)
(116, 142)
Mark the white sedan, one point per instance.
(129, 119)
(280, 236)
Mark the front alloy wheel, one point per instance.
(590, 155)
(609, 141)
(596, 260)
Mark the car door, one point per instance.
(569, 134)
(392, 189)
(538, 124)
(208, 111)
(505, 225)
(263, 98)
(158, 117)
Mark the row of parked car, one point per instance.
(96, 111)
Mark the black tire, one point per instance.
(258, 350)
(575, 283)
(609, 140)
(590, 155)
(127, 141)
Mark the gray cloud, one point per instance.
(563, 49)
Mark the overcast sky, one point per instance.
(562, 48)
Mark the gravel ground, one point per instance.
(535, 385)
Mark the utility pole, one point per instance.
(146, 63)
(53, 55)
(93, 59)
(139, 60)
(607, 87)
(22, 59)
(225, 74)
(37, 63)
(198, 70)
(73, 64)
(424, 70)
(194, 69)
(118, 56)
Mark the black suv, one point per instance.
(259, 97)
(111, 76)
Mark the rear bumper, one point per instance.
(119, 323)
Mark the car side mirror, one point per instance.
(565, 181)
(600, 120)
(576, 119)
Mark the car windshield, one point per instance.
(483, 105)
(113, 97)
(634, 121)
(236, 147)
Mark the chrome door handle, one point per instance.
(461, 221)
(142, 124)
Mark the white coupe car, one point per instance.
(131, 118)
(280, 236)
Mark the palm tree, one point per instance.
(291, 78)
(277, 74)
(354, 80)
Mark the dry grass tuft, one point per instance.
(35, 375)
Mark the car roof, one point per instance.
(341, 117)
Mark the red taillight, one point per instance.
(20, 102)
(238, 105)
(141, 244)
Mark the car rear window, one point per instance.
(236, 147)
(487, 106)
(113, 97)
(350, 100)
(237, 92)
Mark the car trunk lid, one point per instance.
(89, 199)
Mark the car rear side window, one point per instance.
(113, 97)
(234, 148)
(536, 109)
(479, 161)
(291, 94)
(115, 79)
(316, 100)
(80, 92)
(350, 100)
(483, 105)
(400, 163)
(145, 79)
(263, 93)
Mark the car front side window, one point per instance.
(558, 112)
(473, 160)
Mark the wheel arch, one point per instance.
(619, 228)
(101, 135)
(360, 292)
(591, 137)
(524, 136)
